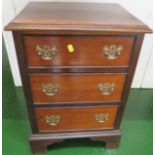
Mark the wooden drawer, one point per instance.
(84, 118)
(82, 50)
(78, 88)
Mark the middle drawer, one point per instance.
(78, 88)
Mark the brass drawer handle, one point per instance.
(106, 88)
(112, 52)
(52, 120)
(101, 118)
(50, 89)
(46, 52)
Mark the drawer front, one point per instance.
(78, 51)
(76, 88)
(85, 118)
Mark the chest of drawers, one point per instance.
(77, 61)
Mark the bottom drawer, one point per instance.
(75, 118)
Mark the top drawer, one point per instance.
(48, 51)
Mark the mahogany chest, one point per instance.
(77, 62)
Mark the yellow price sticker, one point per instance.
(70, 48)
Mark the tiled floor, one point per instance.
(136, 125)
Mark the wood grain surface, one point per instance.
(76, 87)
(76, 16)
(75, 118)
(88, 51)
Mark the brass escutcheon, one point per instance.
(46, 52)
(106, 88)
(112, 52)
(101, 118)
(52, 120)
(50, 89)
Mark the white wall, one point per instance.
(142, 9)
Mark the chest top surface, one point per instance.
(76, 16)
